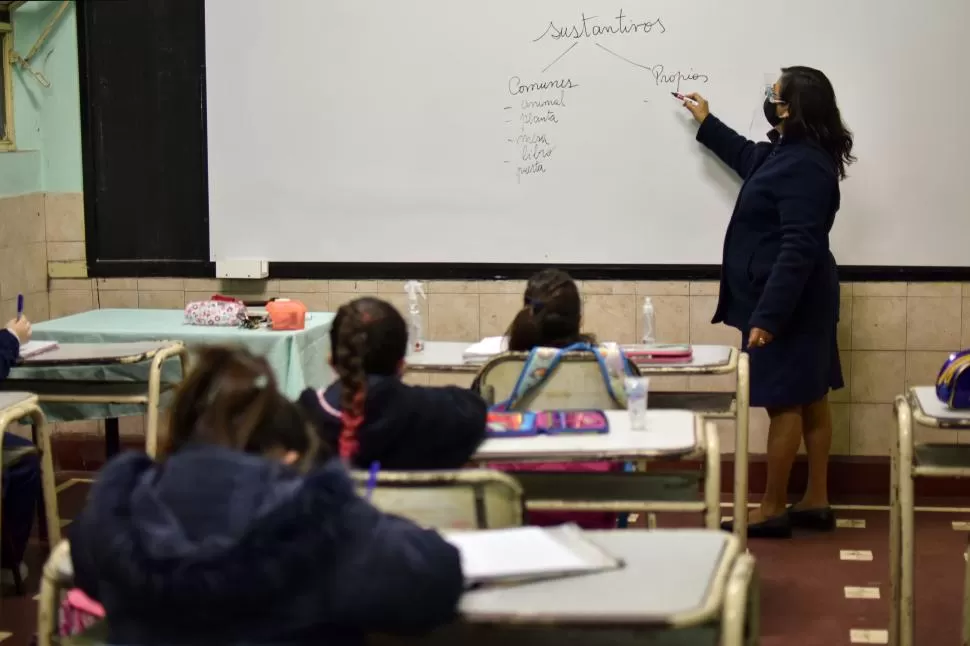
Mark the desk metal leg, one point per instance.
(48, 484)
(741, 451)
(712, 479)
(906, 526)
(965, 610)
(740, 620)
(112, 438)
(895, 539)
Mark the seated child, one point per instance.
(20, 485)
(239, 536)
(551, 317)
(371, 415)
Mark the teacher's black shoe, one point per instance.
(816, 520)
(775, 527)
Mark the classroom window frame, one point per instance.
(8, 141)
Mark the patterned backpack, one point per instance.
(953, 382)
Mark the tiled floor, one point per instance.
(817, 590)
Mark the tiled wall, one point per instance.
(892, 335)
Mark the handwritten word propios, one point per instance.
(589, 27)
(663, 77)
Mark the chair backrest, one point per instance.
(460, 500)
(576, 383)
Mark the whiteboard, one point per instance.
(543, 131)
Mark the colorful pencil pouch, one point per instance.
(506, 424)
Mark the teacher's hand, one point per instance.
(759, 338)
(697, 106)
(20, 328)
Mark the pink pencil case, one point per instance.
(78, 613)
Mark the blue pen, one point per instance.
(375, 468)
(20, 306)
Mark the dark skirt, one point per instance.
(795, 369)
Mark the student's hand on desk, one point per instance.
(697, 106)
(20, 328)
(758, 338)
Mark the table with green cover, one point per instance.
(298, 358)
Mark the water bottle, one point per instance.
(636, 401)
(649, 329)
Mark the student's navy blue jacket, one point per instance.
(215, 546)
(405, 427)
(9, 352)
(778, 273)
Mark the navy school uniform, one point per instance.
(20, 484)
(214, 546)
(405, 427)
(778, 272)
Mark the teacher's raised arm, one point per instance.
(779, 281)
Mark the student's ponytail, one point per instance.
(525, 332)
(349, 364)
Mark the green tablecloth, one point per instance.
(298, 358)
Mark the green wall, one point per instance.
(47, 121)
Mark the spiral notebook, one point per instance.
(522, 554)
(33, 348)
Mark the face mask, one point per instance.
(771, 114)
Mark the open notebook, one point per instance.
(485, 349)
(33, 348)
(524, 554)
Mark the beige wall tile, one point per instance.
(844, 394)
(194, 297)
(131, 426)
(671, 315)
(933, 290)
(394, 286)
(340, 298)
(841, 433)
(36, 307)
(117, 299)
(871, 428)
(22, 220)
(67, 302)
(107, 284)
(211, 285)
(496, 312)
(879, 289)
(67, 269)
(82, 427)
(502, 287)
(287, 287)
(353, 286)
(65, 217)
(877, 376)
(607, 287)
(463, 380)
(65, 251)
(702, 331)
(845, 323)
(933, 323)
(922, 367)
(965, 335)
(878, 323)
(416, 378)
(400, 303)
(24, 269)
(314, 301)
(705, 288)
(160, 284)
(453, 317)
(610, 317)
(663, 288)
(845, 290)
(70, 284)
(451, 287)
(161, 300)
(966, 290)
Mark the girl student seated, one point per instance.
(239, 536)
(373, 416)
(551, 317)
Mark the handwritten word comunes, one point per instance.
(589, 28)
(518, 87)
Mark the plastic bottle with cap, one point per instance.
(414, 288)
(649, 329)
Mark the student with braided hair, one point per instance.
(370, 415)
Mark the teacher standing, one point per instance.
(780, 284)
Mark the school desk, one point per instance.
(695, 584)
(910, 461)
(670, 435)
(82, 381)
(439, 357)
(298, 358)
(14, 407)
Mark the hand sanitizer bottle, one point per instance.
(649, 329)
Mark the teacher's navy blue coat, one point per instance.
(778, 273)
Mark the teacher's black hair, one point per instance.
(813, 113)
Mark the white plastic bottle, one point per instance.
(414, 289)
(649, 325)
